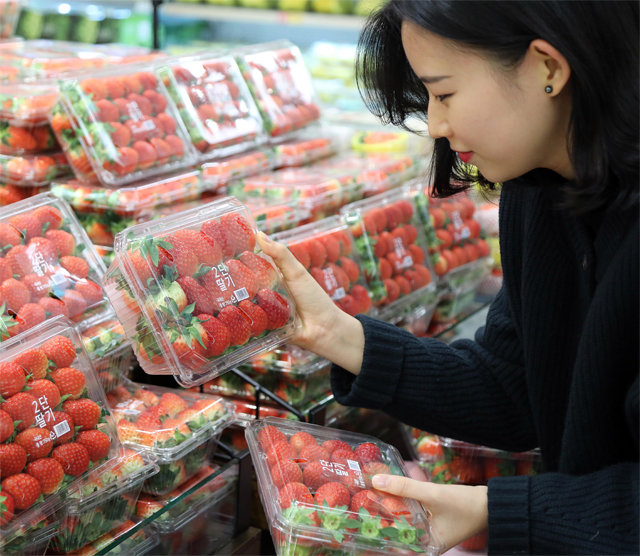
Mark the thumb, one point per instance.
(289, 266)
(400, 486)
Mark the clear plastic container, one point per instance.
(175, 425)
(103, 501)
(33, 169)
(277, 217)
(214, 103)
(194, 296)
(13, 193)
(379, 141)
(30, 139)
(326, 249)
(416, 314)
(31, 538)
(389, 237)
(126, 125)
(105, 253)
(142, 541)
(57, 424)
(312, 146)
(25, 103)
(9, 15)
(280, 85)
(217, 174)
(49, 266)
(315, 487)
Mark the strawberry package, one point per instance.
(218, 174)
(315, 487)
(54, 425)
(417, 314)
(128, 538)
(380, 141)
(272, 217)
(327, 251)
(30, 139)
(10, 194)
(31, 170)
(104, 500)
(299, 151)
(389, 237)
(194, 295)
(9, 14)
(176, 426)
(119, 127)
(280, 84)
(26, 103)
(214, 104)
(48, 266)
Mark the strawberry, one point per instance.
(44, 249)
(205, 248)
(60, 350)
(498, 467)
(215, 230)
(429, 447)
(96, 442)
(284, 472)
(275, 306)
(394, 507)
(48, 472)
(209, 408)
(315, 475)
(27, 225)
(334, 494)
(76, 266)
(63, 241)
(367, 452)
(341, 455)
(9, 236)
(6, 271)
(467, 469)
(317, 252)
(173, 403)
(239, 329)
(242, 277)
(129, 432)
(91, 292)
(374, 468)
(44, 390)
(33, 362)
(24, 489)
(270, 435)
(13, 458)
(73, 457)
(367, 499)
(279, 452)
(265, 275)
(21, 407)
(84, 412)
(71, 382)
(348, 304)
(255, 317)
(12, 379)
(240, 235)
(15, 294)
(313, 452)
(300, 252)
(75, 303)
(6, 425)
(180, 256)
(196, 294)
(38, 286)
(7, 506)
(301, 439)
(18, 258)
(60, 417)
(361, 295)
(219, 337)
(53, 307)
(334, 444)
(36, 442)
(294, 492)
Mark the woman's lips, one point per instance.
(465, 156)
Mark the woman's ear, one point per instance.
(554, 69)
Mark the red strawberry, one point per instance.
(60, 350)
(196, 294)
(6, 271)
(334, 444)
(240, 234)
(49, 216)
(73, 457)
(317, 252)
(18, 258)
(341, 455)
(219, 337)
(467, 469)
(239, 329)
(284, 472)
(332, 247)
(275, 306)
(294, 492)
(15, 294)
(207, 251)
(394, 507)
(360, 294)
(64, 422)
(215, 230)
(313, 452)
(84, 412)
(315, 475)
(13, 458)
(348, 304)
(33, 362)
(96, 442)
(24, 489)
(71, 382)
(91, 292)
(27, 225)
(12, 379)
(279, 452)
(498, 467)
(38, 286)
(21, 407)
(334, 494)
(265, 275)
(42, 248)
(53, 306)
(64, 242)
(7, 506)
(173, 403)
(255, 317)
(9, 236)
(270, 435)
(301, 439)
(36, 442)
(367, 452)
(44, 390)
(75, 303)
(300, 252)
(350, 268)
(374, 468)
(242, 277)
(6, 425)
(48, 472)
(180, 256)
(218, 284)
(407, 209)
(367, 499)
(76, 266)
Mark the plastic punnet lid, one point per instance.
(27, 103)
(214, 103)
(272, 217)
(33, 169)
(167, 422)
(56, 424)
(220, 173)
(326, 250)
(280, 85)
(389, 237)
(125, 123)
(48, 266)
(29, 139)
(143, 541)
(315, 486)
(194, 296)
(10, 194)
(289, 360)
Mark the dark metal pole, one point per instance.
(155, 23)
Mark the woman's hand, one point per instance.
(457, 511)
(325, 329)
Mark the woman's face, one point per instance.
(502, 122)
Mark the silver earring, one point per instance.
(548, 89)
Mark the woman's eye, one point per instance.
(440, 98)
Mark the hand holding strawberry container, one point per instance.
(125, 124)
(326, 250)
(315, 486)
(48, 266)
(214, 104)
(54, 425)
(176, 426)
(194, 296)
(280, 84)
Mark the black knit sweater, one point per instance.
(555, 366)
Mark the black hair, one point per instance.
(599, 41)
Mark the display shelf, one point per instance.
(116, 9)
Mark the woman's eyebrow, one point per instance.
(433, 79)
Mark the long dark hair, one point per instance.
(600, 42)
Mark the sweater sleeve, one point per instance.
(554, 513)
(470, 390)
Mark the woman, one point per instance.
(542, 96)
